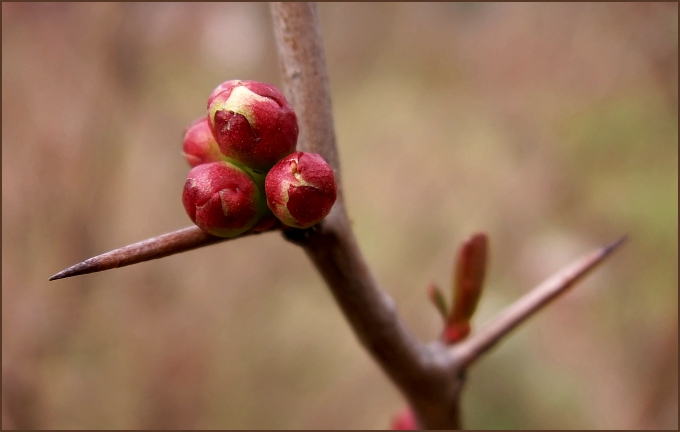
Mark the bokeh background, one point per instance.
(552, 127)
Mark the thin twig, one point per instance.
(156, 247)
(471, 349)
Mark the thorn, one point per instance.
(524, 308)
(614, 245)
(84, 267)
(156, 247)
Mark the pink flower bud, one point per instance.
(252, 123)
(222, 199)
(267, 222)
(404, 420)
(301, 189)
(199, 144)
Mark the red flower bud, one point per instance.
(267, 222)
(404, 420)
(222, 199)
(301, 189)
(252, 123)
(199, 144)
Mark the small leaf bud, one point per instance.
(301, 189)
(222, 199)
(252, 123)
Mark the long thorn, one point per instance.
(471, 349)
(156, 247)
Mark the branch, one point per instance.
(471, 349)
(431, 377)
(331, 245)
(305, 79)
(156, 247)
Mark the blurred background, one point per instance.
(552, 127)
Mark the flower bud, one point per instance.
(252, 123)
(404, 420)
(267, 222)
(199, 145)
(301, 189)
(222, 199)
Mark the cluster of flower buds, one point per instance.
(246, 174)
